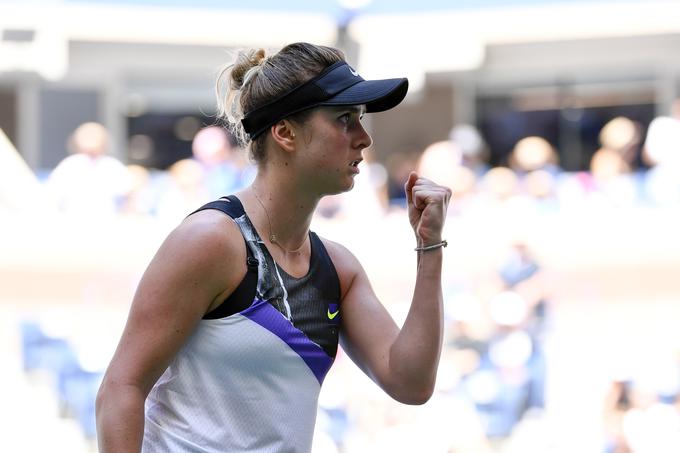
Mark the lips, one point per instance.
(354, 166)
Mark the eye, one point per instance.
(345, 118)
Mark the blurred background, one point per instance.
(556, 124)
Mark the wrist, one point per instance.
(431, 246)
(426, 241)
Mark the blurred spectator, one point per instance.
(662, 152)
(622, 136)
(640, 404)
(531, 189)
(502, 201)
(612, 182)
(443, 162)
(185, 191)
(438, 161)
(474, 152)
(617, 402)
(652, 423)
(399, 165)
(541, 187)
(141, 198)
(500, 184)
(88, 181)
(216, 150)
(611, 179)
(663, 138)
(524, 276)
(534, 153)
(606, 165)
(520, 272)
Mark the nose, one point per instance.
(362, 139)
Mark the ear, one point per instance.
(284, 135)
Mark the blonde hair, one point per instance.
(255, 79)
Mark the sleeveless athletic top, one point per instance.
(248, 378)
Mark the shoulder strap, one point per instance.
(244, 293)
(230, 205)
(331, 280)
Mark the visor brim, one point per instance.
(376, 95)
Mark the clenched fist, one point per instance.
(427, 205)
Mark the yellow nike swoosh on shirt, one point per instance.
(332, 315)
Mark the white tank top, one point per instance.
(248, 382)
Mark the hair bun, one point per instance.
(245, 61)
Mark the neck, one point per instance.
(281, 209)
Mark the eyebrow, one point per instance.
(360, 109)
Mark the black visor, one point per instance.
(338, 84)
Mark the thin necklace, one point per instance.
(272, 237)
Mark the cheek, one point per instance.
(330, 151)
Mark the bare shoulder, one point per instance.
(206, 238)
(206, 249)
(209, 229)
(342, 257)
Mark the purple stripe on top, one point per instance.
(262, 313)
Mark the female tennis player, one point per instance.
(238, 317)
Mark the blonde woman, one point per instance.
(238, 317)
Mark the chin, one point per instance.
(338, 190)
(348, 187)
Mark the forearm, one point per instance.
(120, 418)
(414, 356)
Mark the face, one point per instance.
(332, 142)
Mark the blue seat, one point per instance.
(75, 388)
(43, 352)
(78, 392)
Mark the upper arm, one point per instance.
(367, 330)
(197, 266)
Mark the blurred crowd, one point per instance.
(633, 166)
(90, 182)
(494, 364)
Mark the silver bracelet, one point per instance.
(425, 248)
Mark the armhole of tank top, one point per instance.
(244, 294)
(325, 257)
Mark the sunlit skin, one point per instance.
(330, 141)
